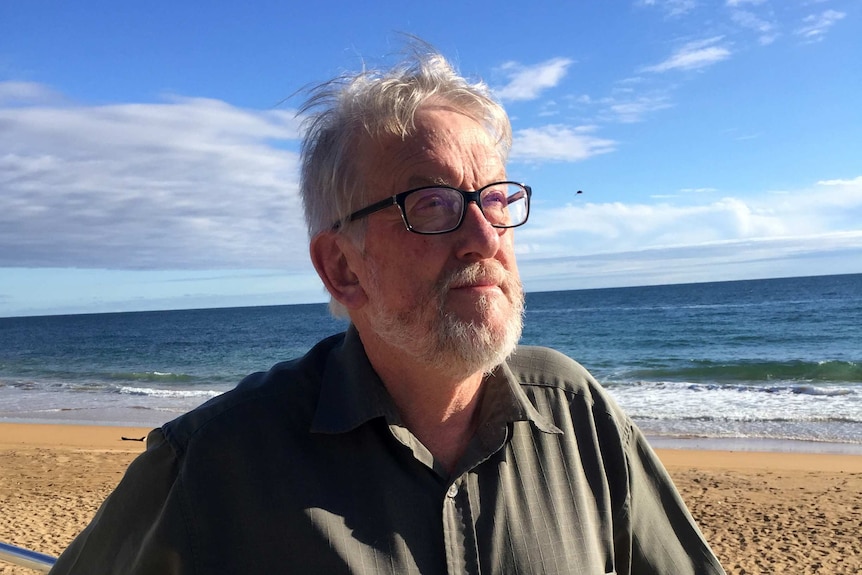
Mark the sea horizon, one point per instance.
(324, 300)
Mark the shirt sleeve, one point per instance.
(665, 539)
(140, 528)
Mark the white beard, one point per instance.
(441, 340)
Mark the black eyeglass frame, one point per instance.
(469, 197)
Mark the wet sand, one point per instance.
(761, 512)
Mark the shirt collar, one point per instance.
(505, 401)
(351, 394)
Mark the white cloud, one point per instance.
(672, 7)
(820, 254)
(186, 184)
(558, 143)
(528, 82)
(734, 3)
(815, 26)
(637, 108)
(854, 184)
(828, 207)
(698, 190)
(751, 21)
(693, 55)
(25, 93)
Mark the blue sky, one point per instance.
(148, 150)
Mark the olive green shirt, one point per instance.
(308, 469)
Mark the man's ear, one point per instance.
(329, 254)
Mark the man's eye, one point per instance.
(494, 199)
(430, 202)
(433, 203)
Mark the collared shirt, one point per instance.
(308, 469)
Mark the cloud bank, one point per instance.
(826, 207)
(189, 183)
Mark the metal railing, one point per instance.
(26, 558)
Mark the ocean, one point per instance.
(764, 364)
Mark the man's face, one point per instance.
(454, 299)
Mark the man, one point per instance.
(422, 440)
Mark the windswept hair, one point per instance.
(376, 104)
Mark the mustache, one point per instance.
(479, 273)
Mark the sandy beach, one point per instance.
(761, 512)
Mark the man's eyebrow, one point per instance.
(421, 181)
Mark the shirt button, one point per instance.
(453, 491)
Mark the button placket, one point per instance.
(452, 492)
(459, 531)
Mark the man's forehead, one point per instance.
(446, 147)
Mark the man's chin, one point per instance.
(480, 308)
(489, 329)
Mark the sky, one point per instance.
(149, 150)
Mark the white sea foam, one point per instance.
(806, 413)
(169, 393)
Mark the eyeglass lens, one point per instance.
(441, 209)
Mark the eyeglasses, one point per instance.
(441, 209)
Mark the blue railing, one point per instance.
(26, 558)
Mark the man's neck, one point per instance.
(439, 409)
(443, 421)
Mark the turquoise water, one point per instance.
(769, 359)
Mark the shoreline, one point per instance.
(98, 437)
(762, 512)
(753, 445)
(699, 453)
(115, 417)
(61, 435)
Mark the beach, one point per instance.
(761, 512)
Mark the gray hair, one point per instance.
(375, 104)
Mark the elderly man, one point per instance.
(422, 440)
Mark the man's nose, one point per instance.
(478, 239)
